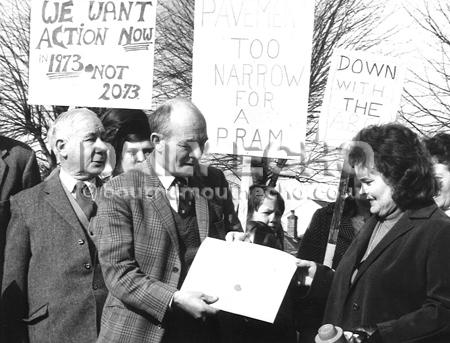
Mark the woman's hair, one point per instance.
(439, 147)
(397, 153)
(256, 196)
(125, 125)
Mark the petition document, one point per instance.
(249, 279)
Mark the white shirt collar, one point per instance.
(163, 176)
(69, 182)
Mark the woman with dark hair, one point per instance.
(439, 148)
(393, 283)
(128, 131)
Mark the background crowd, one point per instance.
(95, 254)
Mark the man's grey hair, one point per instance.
(64, 123)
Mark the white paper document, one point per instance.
(249, 279)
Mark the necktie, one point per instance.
(84, 199)
(186, 198)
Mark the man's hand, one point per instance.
(306, 270)
(195, 303)
(236, 236)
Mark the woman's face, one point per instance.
(134, 154)
(442, 173)
(377, 191)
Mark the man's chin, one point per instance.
(185, 171)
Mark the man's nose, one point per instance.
(100, 145)
(140, 156)
(196, 151)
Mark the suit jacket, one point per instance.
(139, 249)
(18, 170)
(52, 288)
(403, 287)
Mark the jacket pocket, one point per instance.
(37, 315)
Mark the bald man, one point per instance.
(53, 289)
(149, 228)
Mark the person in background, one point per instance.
(439, 148)
(18, 171)
(393, 283)
(354, 215)
(266, 205)
(128, 132)
(314, 243)
(53, 289)
(148, 239)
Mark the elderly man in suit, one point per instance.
(149, 226)
(53, 290)
(18, 170)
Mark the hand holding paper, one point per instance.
(195, 303)
(306, 271)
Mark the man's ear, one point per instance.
(156, 139)
(60, 146)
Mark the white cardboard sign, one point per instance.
(92, 53)
(362, 89)
(251, 74)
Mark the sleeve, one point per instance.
(429, 323)
(14, 283)
(313, 244)
(31, 175)
(122, 273)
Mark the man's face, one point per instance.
(84, 152)
(442, 174)
(134, 154)
(179, 151)
(268, 212)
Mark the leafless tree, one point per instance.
(19, 119)
(338, 23)
(429, 93)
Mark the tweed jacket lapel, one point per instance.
(197, 182)
(155, 196)
(57, 198)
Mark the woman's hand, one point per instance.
(306, 270)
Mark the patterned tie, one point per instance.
(186, 198)
(84, 199)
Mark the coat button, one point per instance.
(87, 266)
(175, 269)
(81, 241)
(355, 307)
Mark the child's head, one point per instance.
(265, 205)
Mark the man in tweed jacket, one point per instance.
(147, 239)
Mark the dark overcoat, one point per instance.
(402, 288)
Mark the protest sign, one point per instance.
(251, 74)
(92, 53)
(362, 89)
